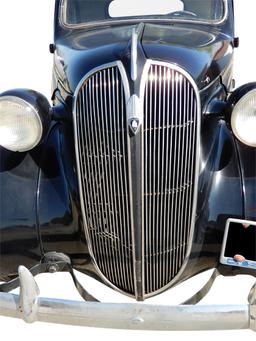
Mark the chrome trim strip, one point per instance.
(63, 20)
(177, 68)
(131, 203)
(142, 94)
(134, 55)
(76, 128)
(134, 109)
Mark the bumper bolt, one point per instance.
(53, 268)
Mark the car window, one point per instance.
(119, 8)
(77, 12)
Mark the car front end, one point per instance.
(141, 174)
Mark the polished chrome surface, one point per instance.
(134, 110)
(168, 114)
(103, 169)
(171, 121)
(29, 293)
(134, 55)
(133, 316)
(127, 316)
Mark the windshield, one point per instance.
(80, 12)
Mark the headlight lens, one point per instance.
(243, 119)
(20, 124)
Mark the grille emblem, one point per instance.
(134, 125)
(134, 114)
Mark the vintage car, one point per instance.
(141, 174)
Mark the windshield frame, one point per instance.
(114, 22)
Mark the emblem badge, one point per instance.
(134, 114)
(134, 125)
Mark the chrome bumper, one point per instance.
(29, 307)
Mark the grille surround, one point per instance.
(143, 81)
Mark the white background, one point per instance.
(25, 33)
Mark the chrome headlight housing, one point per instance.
(243, 118)
(21, 121)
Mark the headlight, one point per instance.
(243, 119)
(24, 119)
(20, 124)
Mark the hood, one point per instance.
(203, 53)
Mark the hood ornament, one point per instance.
(135, 105)
(134, 55)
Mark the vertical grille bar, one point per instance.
(170, 149)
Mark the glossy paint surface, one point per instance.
(204, 53)
(59, 208)
(19, 239)
(40, 208)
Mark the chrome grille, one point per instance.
(101, 125)
(108, 171)
(170, 136)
